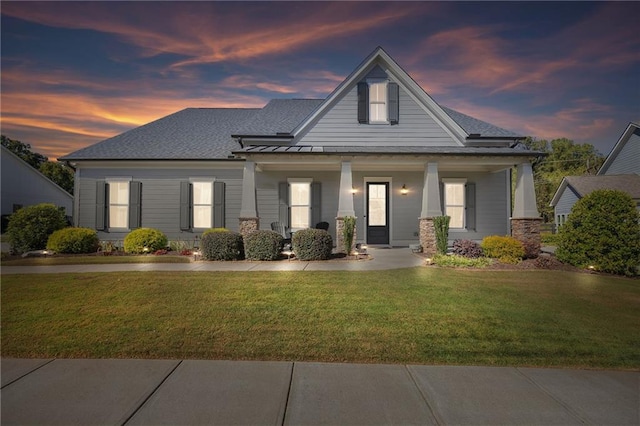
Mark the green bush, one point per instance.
(222, 246)
(263, 245)
(74, 240)
(348, 233)
(459, 261)
(149, 238)
(29, 228)
(441, 225)
(506, 249)
(210, 230)
(312, 244)
(602, 231)
(549, 239)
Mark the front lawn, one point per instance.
(419, 315)
(89, 260)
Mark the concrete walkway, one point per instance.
(190, 392)
(377, 259)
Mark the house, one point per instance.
(620, 171)
(22, 186)
(378, 148)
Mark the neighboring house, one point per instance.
(620, 171)
(378, 148)
(22, 186)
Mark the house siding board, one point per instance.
(628, 159)
(566, 202)
(339, 126)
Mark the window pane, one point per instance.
(455, 194)
(378, 92)
(299, 217)
(300, 194)
(118, 192)
(457, 216)
(378, 112)
(202, 192)
(118, 216)
(202, 216)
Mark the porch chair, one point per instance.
(283, 230)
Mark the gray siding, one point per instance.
(566, 202)
(339, 126)
(160, 198)
(628, 159)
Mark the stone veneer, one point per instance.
(527, 231)
(428, 236)
(248, 225)
(339, 233)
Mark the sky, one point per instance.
(76, 73)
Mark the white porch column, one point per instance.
(431, 192)
(249, 220)
(345, 202)
(525, 197)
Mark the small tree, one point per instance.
(602, 231)
(441, 225)
(29, 228)
(348, 233)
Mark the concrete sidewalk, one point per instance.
(377, 259)
(173, 392)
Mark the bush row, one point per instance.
(506, 249)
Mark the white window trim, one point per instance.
(300, 180)
(110, 180)
(210, 180)
(370, 82)
(462, 181)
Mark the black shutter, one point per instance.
(283, 203)
(470, 206)
(135, 205)
(185, 206)
(218, 205)
(316, 203)
(394, 103)
(102, 204)
(363, 102)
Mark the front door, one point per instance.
(377, 212)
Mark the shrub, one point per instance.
(348, 233)
(149, 238)
(457, 261)
(441, 225)
(602, 231)
(467, 248)
(506, 249)
(263, 245)
(222, 246)
(312, 244)
(74, 240)
(549, 239)
(29, 228)
(210, 230)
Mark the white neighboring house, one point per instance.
(23, 186)
(620, 171)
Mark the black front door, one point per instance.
(377, 212)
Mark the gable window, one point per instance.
(300, 203)
(378, 102)
(119, 204)
(454, 202)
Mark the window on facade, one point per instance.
(118, 204)
(300, 204)
(378, 102)
(202, 204)
(454, 203)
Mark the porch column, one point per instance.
(345, 203)
(249, 220)
(430, 208)
(526, 220)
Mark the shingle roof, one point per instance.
(584, 185)
(278, 116)
(413, 150)
(474, 126)
(190, 134)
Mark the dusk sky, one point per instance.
(75, 73)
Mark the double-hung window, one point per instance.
(118, 204)
(300, 203)
(454, 202)
(378, 101)
(202, 204)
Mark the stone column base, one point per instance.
(527, 231)
(248, 225)
(428, 236)
(340, 238)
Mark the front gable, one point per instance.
(625, 155)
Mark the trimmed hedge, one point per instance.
(312, 244)
(222, 246)
(506, 249)
(263, 245)
(602, 231)
(74, 240)
(210, 230)
(152, 239)
(467, 248)
(29, 228)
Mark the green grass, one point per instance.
(88, 260)
(419, 315)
